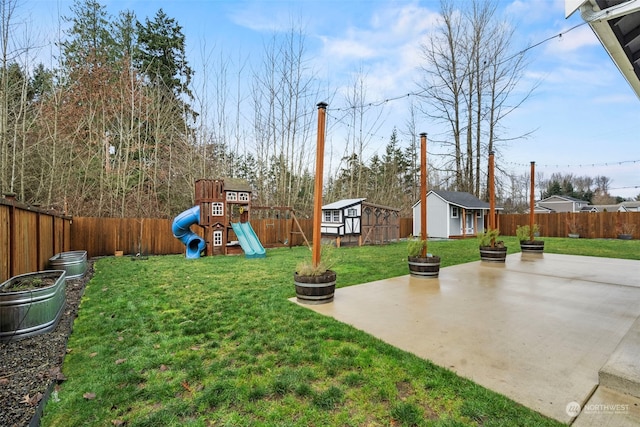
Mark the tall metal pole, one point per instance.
(532, 200)
(317, 196)
(423, 191)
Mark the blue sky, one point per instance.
(583, 114)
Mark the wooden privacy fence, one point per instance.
(148, 236)
(406, 227)
(29, 236)
(591, 225)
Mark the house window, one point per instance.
(217, 238)
(232, 196)
(336, 216)
(352, 212)
(217, 209)
(454, 212)
(478, 214)
(243, 197)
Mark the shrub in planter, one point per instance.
(428, 266)
(573, 227)
(491, 249)
(315, 284)
(523, 232)
(625, 231)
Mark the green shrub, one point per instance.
(415, 246)
(489, 237)
(523, 233)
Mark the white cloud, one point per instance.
(347, 49)
(388, 47)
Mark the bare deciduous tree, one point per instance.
(470, 75)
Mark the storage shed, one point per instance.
(355, 221)
(452, 214)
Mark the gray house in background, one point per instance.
(451, 214)
(633, 206)
(561, 204)
(604, 208)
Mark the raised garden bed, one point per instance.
(30, 367)
(31, 303)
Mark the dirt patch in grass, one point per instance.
(29, 366)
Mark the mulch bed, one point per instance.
(29, 367)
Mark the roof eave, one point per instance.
(617, 54)
(598, 21)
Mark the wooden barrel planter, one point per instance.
(315, 289)
(73, 262)
(31, 304)
(427, 267)
(532, 246)
(495, 254)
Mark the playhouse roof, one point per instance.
(236, 184)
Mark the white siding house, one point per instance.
(451, 213)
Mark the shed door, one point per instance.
(352, 225)
(469, 219)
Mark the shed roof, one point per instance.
(344, 203)
(461, 199)
(382, 207)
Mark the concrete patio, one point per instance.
(538, 329)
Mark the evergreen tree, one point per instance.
(41, 82)
(161, 54)
(124, 34)
(89, 42)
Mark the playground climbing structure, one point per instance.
(222, 210)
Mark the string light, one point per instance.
(557, 166)
(422, 91)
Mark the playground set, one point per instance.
(222, 210)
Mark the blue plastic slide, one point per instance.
(180, 228)
(248, 240)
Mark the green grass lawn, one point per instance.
(174, 342)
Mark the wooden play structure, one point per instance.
(223, 203)
(222, 209)
(279, 225)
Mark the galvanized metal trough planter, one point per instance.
(31, 304)
(73, 262)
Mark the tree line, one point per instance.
(119, 126)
